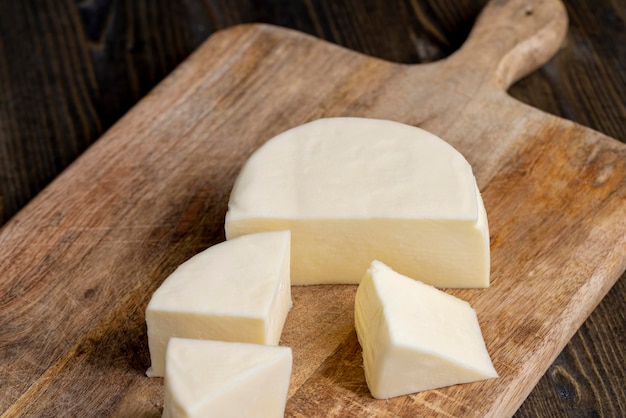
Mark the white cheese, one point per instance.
(237, 290)
(415, 337)
(225, 379)
(352, 190)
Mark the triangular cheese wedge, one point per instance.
(237, 290)
(224, 379)
(352, 190)
(415, 337)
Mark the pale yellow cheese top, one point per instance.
(381, 169)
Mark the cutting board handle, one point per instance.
(512, 38)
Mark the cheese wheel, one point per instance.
(352, 190)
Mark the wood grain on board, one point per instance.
(87, 252)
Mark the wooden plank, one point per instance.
(81, 261)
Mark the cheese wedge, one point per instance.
(237, 290)
(206, 379)
(415, 337)
(352, 190)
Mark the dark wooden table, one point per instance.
(70, 68)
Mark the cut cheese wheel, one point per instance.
(352, 190)
(237, 290)
(415, 337)
(206, 379)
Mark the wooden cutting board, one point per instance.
(81, 261)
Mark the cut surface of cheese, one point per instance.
(206, 378)
(352, 190)
(415, 337)
(237, 290)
